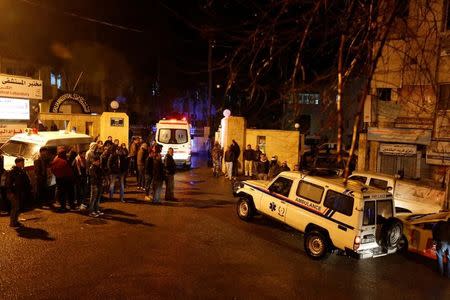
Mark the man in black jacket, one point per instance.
(19, 188)
(249, 155)
(169, 165)
(41, 172)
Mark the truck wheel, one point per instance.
(391, 234)
(316, 245)
(245, 209)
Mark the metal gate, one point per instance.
(392, 164)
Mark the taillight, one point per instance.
(356, 243)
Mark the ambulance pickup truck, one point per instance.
(353, 218)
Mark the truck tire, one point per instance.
(391, 234)
(245, 209)
(317, 245)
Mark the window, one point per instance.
(444, 96)
(261, 142)
(173, 136)
(361, 179)
(16, 148)
(339, 202)
(378, 183)
(52, 79)
(312, 99)
(281, 186)
(384, 211)
(310, 191)
(369, 213)
(181, 136)
(59, 81)
(56, 79)
(384, 94)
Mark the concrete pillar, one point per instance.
(362, 153)
(233, 128)
(373, 155)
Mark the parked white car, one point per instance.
(408, 197)
(353, 218)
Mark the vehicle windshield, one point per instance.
(172, 136)
(16, 148)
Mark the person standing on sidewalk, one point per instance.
(236, 151)
(263, 168)
(256, 158)
(80, 171)
(249, 155)
(170, 168)
(216, 154)
(64, 179)
(132, 155)
(441, 238)
(18, 188)
(158, 176)
(140, 162)
(41, 173)
(96, 182)
(117, 167)
(229, 159)
(149, 172)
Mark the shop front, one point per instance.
(400, 151)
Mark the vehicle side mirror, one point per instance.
(271, 189)
(389, 189)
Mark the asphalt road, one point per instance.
(196, 248)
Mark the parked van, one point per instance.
(175, 134)
(27, 145)
(354, 218)
(409, 197)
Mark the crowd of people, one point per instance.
(79, 179)
(256, 163)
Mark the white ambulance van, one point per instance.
(27, 145)
(175, 134)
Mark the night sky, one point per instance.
(30, 27)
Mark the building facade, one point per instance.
(406, 114)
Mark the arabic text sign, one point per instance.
(398, 149)
(399, 135)
(438, 153)
(14, 109)
(8, 130)
(19, 87)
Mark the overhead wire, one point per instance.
(85, 18)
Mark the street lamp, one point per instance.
(297, 127)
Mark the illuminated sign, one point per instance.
(20, 87)
(8, 130)
(56, 104)
(14, 109)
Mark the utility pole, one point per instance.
(210, 46)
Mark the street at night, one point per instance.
(224, 149)
(194, 248)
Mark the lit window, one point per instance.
(59, 81)
(52, 79)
